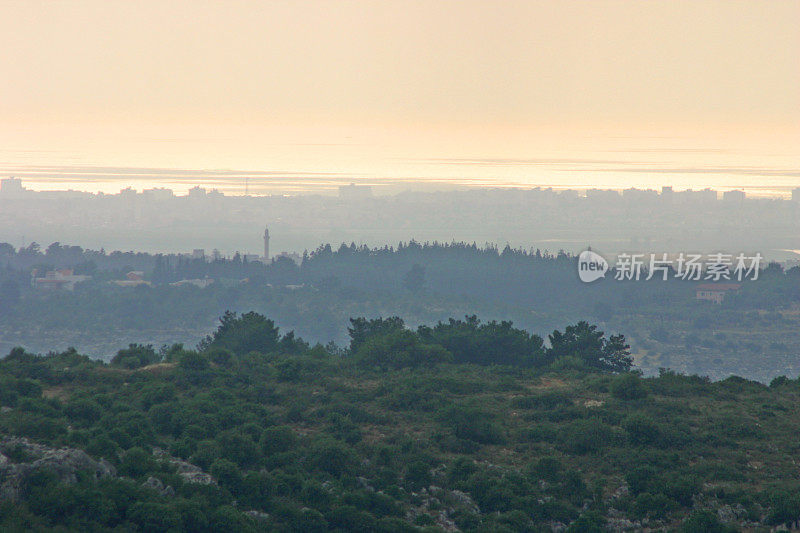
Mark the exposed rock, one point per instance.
(620, 492)
(728, 513)
(156, 484)
(257, 516)
(198, 477)
(441, 505)
(444, 521)
(64, 462)
(623, 524)
(364, 484)
(189, 472)
(464, 500)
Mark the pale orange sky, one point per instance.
(407, 89)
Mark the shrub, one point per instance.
(417, 476)
(228, 475)
(348, 518)
(136, 356)
(193, 361)
(640, 478)
(587, 436)
(238, 447)
(705, 522)
(227, 518)
(547, 468)
(28, 388)
(136, 463)
(628, 386)
(642, 430)
(680, 487)
(649, 505)
(588, 522)
(784, 508)
(277, 439)
(473, 424)
(154, 516)
(332, 457)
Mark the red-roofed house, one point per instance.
(715, 292)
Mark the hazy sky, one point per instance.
(405, 89)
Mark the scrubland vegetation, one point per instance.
(462, 425)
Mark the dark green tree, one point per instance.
(585, 342)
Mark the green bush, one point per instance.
(547, 468)
(136, 462)
(277, 439)
(136, 356)
(705, 522)
(628, 386)
(332, 457)
(658, 506)
(473, 424)
(587, 436)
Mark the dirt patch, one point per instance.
(59, 393)
(158, 367)
(550, 383)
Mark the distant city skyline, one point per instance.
(111, 180)
(631, 220)
(13, 187)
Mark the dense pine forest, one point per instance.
(754, 333)
(459, 425)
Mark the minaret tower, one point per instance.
(266, 245)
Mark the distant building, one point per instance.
(639, 195)
(602, 194)
(715, 292)
(266, 245)
(704, 196)
(55, 280)
(198, 253)
(132, 279)
(796, 194)
(128, 193)
(294, 256)
(708, 195)
(158, 194)
(197, 193)
(355, 192)
(12, 188)
(202, 283)
(733, 196)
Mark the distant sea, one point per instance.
(109, 179)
